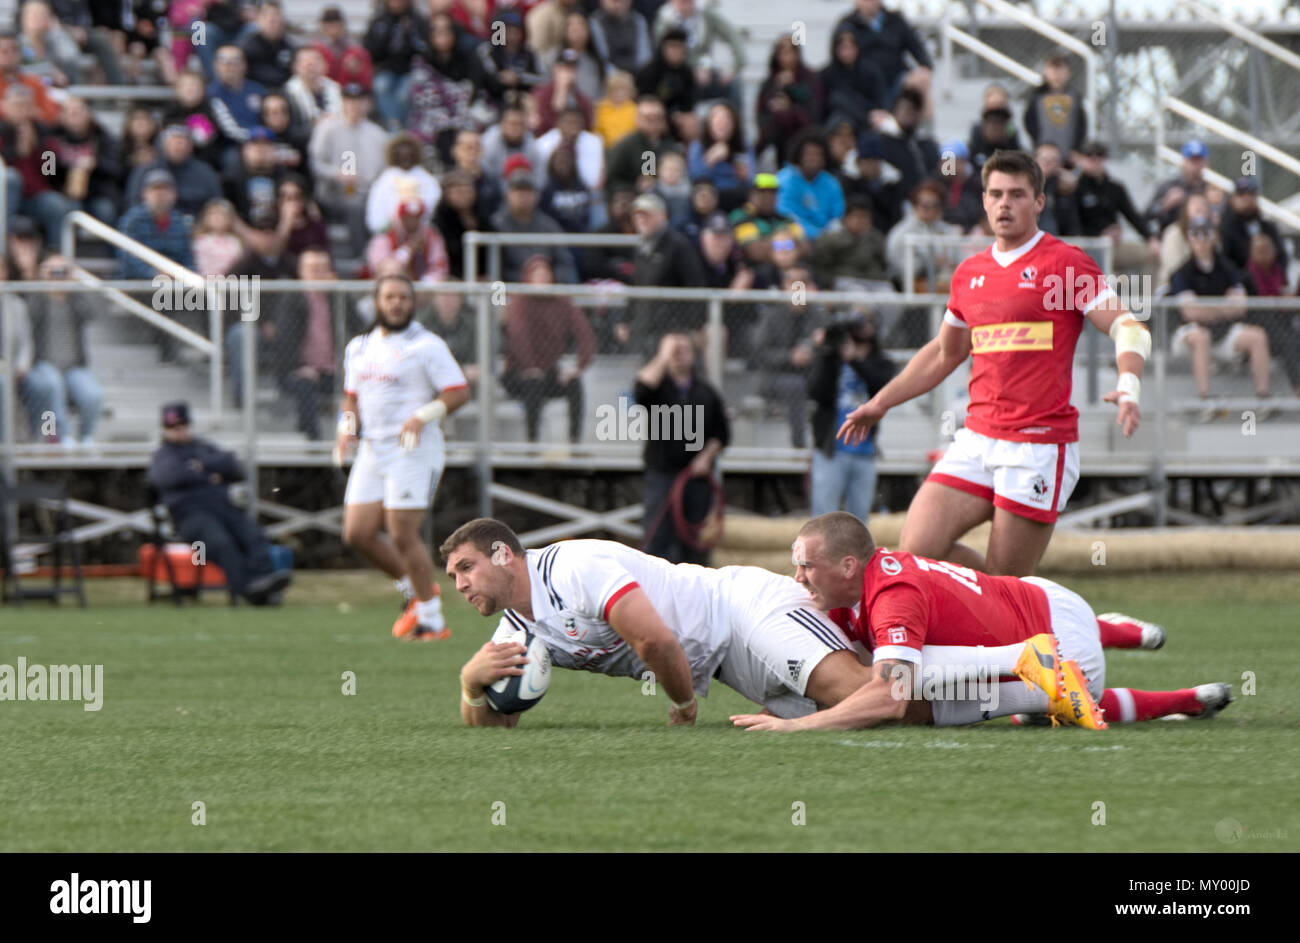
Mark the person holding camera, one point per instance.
(848, 366)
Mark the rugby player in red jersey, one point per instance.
(1017, 309)
(916, 615)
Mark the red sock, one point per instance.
(1120, 634)
(1125, 705)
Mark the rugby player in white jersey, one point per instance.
(601, 606)
(399, 381)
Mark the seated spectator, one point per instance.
(993, 133)
(932, 266)
(1101, 201)
(290, 140)
(905, 145)
(300, 223)
(996, 97)
(413, 242)
(506, 138)
(1060, 215)
(614, 263)
(627, 158)
(444, 84)
(808, 193)
(854, 251)
(346, 61)
(880, 183)
(87, 163)
(725, 269)
(60, 373)
(157, 224)
(139, 137)
(963, 188)
(673, 186)
(267, 50)
(790, 99)
(668, 78)
(621, 36)
(474, 17)
(853, 87)
(1265, 272)
(521, 215)
(467, 157)
(192, 111)
(560, 94)
(181, 18)
(787, 334)
(670, 380)
(703, 206)
(539, 329)
(45, 108)
(147, 60)
(216, 242)
(544, 24)
(192, 476)
(311, 92)
(24, 142)
(196, 182)
(458, 212)
(48, 51)
(251, 186)
(665, 258)
(308, 360)
(848, 369)
(720, 155)
(587, 150)
(590, 81)
(402, 180)
(224, 21)
(1055, 113)
(565, 196)
(1216, 333)
(887, 39)
(23, 251)
(758, 219)
(616, 112)
(511, 70)
(236, 103)
(395, 36)
(346, 156)
(1242, 222)
(453, 320)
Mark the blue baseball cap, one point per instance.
(958, 148)
(1194, 150)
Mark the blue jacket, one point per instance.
(237, 110)
(182, 474)
(815, 205)
(173, 242)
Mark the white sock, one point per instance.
(975, 659)
(1009, 697)
(403, 586)
(428, 612)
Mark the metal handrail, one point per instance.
(989, 54)
(1245, 34)
(1223, 129)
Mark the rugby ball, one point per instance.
(517, 693)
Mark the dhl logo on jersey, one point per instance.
(1013, 335)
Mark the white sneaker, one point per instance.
(1153, 636)
(1214, 697)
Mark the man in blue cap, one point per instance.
(192, 477)
(1167, 203)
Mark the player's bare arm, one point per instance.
(1132, 347)
(929, 367)
(883, 699)
(635, 620)
(448, 402)
(490, 664)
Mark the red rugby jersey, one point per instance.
(909, 601)
(1024, 309)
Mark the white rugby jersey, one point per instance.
(575, 583)
(393, 375)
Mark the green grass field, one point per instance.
(242, 709)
